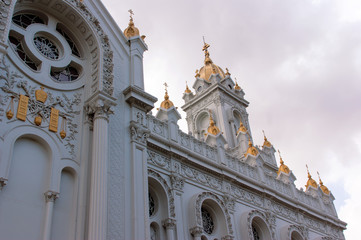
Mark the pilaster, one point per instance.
(169, 224)
(50, 197)
(137, 48)
(3, 182)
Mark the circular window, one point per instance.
(46, 47)
(151, 205)
(208, 223)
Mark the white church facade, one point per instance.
(82, 157)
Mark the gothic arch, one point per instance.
(264, 224)
(167, 190)
(213, 201)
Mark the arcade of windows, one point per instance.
(46, 44)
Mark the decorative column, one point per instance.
(50, 198)
(169, 225)
(97, 227)
(177, 186)
(196, 232)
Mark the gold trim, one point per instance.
(22, 107)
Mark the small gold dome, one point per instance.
(209, 67)
(237, 87)
(241, 128)
(283, 167)
(212, 129)
(166, 104)
(323, 187)
(251, 149)
(266, 143)
(131, 30)
(187, 89)
(310, 181)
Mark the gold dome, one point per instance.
(241, 128)
(283, 167)
(323, 187)
(237, 87)
(310, 181)
(251, 149)
(212, 129)
(131, 30)
(266, 143)
(166, 104)
(209, 67)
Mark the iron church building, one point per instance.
(82, 157)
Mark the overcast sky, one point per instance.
(298, 61)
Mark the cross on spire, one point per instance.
(131, 13)
(165, 86)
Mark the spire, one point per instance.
(166, 104)
(283, 167)
(212, 129)
(241, 128)
(131, 30)
(323, 187)
(209, 67)
(237, 87)
(266, 143)
(310, 181)
(187, 89)
(251, 149)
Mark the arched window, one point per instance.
(296, 236)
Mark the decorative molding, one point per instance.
(139, 134)
(302, 230)
(68, 107)
(196, 231)
(159, 160)
(100, 107)
(168, 190)
(169, 223)
(51, 196)
(265, 219)
(208, 195)
(4, 15)
(3, 182)
(177, 182)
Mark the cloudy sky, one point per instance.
(298, 61)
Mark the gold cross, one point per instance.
(131, 13)
(166, 86)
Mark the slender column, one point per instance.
(50, 198)
(169, 225)
(97, 228)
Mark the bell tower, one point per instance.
(218, 97)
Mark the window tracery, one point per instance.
(256, 235)
(208, 223)
(151, 205)
(25, 19)
(44, 41)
